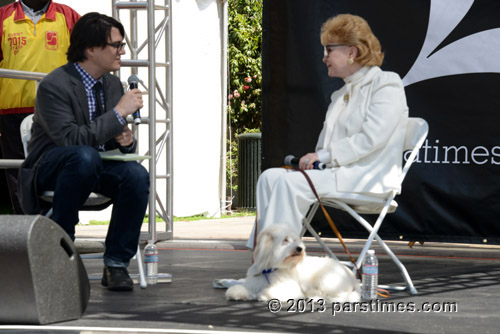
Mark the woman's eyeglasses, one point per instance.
(329, 48)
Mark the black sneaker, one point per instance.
(117, 279)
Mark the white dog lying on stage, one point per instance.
(282, 270)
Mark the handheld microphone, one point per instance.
(133, 82)
(292, 161)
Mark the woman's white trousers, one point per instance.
(284, 197)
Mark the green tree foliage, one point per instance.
(245, 77)
(245, 69)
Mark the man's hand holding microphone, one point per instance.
(129, 104)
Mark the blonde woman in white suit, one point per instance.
(362, 138)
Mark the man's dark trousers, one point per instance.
(73, 172)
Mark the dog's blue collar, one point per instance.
(265, 272)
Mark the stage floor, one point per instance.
(455, 295)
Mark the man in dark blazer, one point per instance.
(80, 110)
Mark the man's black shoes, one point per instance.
(117, 279)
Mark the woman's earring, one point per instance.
(350, 61)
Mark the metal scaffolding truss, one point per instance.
(150, 49)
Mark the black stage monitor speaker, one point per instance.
(42, 277)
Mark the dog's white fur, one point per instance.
(294, 275)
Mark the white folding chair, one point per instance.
(356, 204)
(94, 202)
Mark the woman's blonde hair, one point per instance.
(355, 31)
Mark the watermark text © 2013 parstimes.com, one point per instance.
(320, 305)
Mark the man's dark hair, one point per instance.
(92, 29)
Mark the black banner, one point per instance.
(448, 54)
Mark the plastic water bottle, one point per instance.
(370, 276)
(151, 263)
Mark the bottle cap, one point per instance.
(371, 252)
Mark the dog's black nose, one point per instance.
(299, 249)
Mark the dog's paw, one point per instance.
(346, 297)
(264, 299)
(237, 292)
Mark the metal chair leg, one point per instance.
(409, 287)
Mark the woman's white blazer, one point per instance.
(368, 146)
